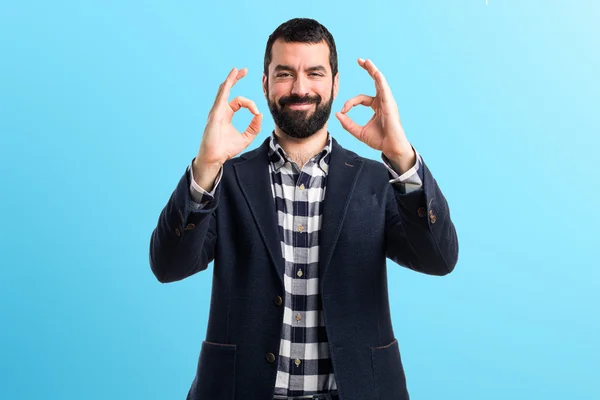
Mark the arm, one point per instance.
(183, 241)
(420, 233)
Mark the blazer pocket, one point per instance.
(215, 377)
(388, 372)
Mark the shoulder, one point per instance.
(369, 166)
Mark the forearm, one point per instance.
(422, 235)
(183, 241)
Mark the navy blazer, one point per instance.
(365, 219)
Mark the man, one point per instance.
(299, 230)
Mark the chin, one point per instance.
(296, 137)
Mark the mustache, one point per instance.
(295, 99)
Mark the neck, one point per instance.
(302, 150)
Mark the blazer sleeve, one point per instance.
(420, 234)
(183, 241)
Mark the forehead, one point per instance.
(299, 55)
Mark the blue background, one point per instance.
(103, 104)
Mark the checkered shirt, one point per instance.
(304, 364)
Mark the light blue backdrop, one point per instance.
(103, 104)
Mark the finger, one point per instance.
(222, 85)
(253, 129)
(380, 81)
(240, 102)
(349, 125)
(225, 88)
(362, 99)
(369, 66)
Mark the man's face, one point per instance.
(300, 88)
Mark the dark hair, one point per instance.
(302, 30)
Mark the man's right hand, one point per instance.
(221, 141)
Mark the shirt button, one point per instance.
(300, 228)
(298, 317)
(302, 187)
(297, 362)
(270, 357)
(299, 273)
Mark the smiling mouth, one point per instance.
(300, 106)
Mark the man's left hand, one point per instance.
(384, 130)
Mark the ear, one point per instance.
(336, 84)
(264, 86)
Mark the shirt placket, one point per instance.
(299, 287)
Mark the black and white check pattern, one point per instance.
(304, 364)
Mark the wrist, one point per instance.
(402, 160)
(205, 174)
(200, 165)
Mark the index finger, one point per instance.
(225, 88)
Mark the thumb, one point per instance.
(349, 125)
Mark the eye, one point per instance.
(282, 74)
(315, 74)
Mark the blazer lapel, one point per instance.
(255, 183)
(344, 169)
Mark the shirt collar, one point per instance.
(278, 156)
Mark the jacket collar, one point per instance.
(253, 178)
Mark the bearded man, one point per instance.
(299, 230)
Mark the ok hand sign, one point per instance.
(221, 141)
(384, 130)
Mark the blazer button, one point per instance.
(177, 232)
(432, 217)
(270, 357)
(422, 212)
(278, 300)
(189, 227)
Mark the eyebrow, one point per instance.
(310, 69)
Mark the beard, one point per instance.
(300, 124)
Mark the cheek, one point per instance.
(323, 89)
(279, 89)
(275, 92)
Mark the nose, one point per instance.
(300, 86)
